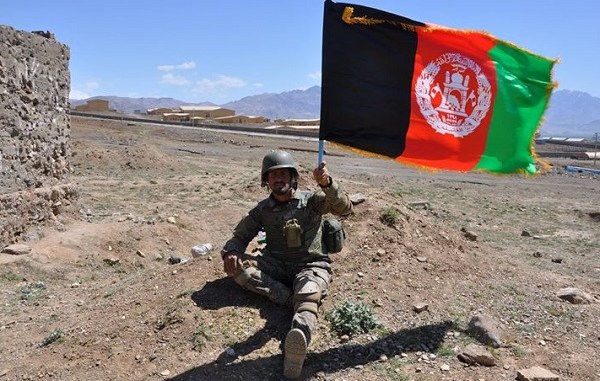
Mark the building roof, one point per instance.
(302, 120)
(199, 108)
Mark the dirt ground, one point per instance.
(99, 299)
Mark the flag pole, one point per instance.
(321, 151)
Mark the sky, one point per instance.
(223, 50)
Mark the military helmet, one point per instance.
(277, 159)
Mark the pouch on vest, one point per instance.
(333, 235)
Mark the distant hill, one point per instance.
(300, 104)
(570, 113)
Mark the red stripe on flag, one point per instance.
(448, 98)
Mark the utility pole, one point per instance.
(595, 148)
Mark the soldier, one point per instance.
(294, 268)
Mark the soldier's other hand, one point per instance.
(232, 263)
(321, 175)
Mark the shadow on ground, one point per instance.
(345, 356)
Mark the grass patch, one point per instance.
(444, 351)
(7, 275)
(172, 316)
(392, 370)
(56, 336)
(390, 216)
(186, 293)
(33, 292)
(200, 337)
(518, 351)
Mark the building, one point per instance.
(94, 105)
(176, 117)
(241, 119)
(208, 112)
(299, 122)
(158, 111)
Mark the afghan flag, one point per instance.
(430, 96)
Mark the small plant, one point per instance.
(10, 276)
(393, 370)
(31, 292)
(352, 318)
(186, 293)
(172, 316)
(200, 337)
(55, 336)
(518, 351)
(389, 216)
(444, 351)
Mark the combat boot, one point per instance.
(295, 349)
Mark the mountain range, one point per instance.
(570, 113)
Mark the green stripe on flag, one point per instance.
(524, 84)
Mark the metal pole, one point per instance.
(321, 152)
(595, 147)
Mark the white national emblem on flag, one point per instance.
(453, 94)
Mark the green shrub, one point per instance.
(389, 216)
(350, 318)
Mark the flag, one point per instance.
(430, 96)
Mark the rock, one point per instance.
(357, 198)
(469, 234)
(17, 249)
(420, 307)
(485, 330)
(444, 367)
(476, 354)
(112, 261)
(536, 373)
(525, 233)
(574, 295)
(418, 205)
(557, 260)
(172, 220)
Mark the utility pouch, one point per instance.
(333, 235)
(292, 232)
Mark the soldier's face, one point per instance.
(280, 180)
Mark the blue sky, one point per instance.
(224, 50)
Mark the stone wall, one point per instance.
(34, 131)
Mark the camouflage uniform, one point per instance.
(294, 268)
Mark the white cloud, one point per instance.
(258, 85)
(92, 85)
(316, 75)
(85, 92)
(177, 80)
(78, 94)
(217, 84)
(182, 66)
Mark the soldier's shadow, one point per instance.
(224, 292)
